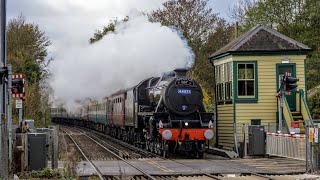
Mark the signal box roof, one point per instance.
(260, 39)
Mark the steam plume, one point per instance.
(136, 50)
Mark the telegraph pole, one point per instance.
(9, 115)
(4, 152)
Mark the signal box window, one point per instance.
(246, 80)
(228, 81)
(219, 82)
(224, 80)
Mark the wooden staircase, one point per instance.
(298, 117)
(298, 121)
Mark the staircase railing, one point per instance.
(304, 109)
(287, 115)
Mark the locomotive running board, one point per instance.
(145, 113)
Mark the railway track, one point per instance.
(125, 147)
(112, 150)
(98, 172)
(122, 147)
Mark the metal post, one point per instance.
(10, 112)
(311, 153)
(4, 171)
(235, 138)
(23, 130)
(307, 149)
(20, 115)
(55, 146)
(280, 114)
(245, 153)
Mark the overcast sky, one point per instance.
(69, 22)
(73, 14)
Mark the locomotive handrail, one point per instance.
(160, 101)
(189, 120)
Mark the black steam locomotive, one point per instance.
(162, 114)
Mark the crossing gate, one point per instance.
(286, 145)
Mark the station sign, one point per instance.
(311, 134)
(19, 104)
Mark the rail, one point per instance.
(134, 148)
(155, 155)
(172, 160)
(286, 145)
(87, 159)
(119, 157)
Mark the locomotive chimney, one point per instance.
(180, 72)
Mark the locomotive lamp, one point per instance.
(208, 134)
(160, 124)
(167, 134)
(186, 123)
(210, 124)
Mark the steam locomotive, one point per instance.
(161, 114)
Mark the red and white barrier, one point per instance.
(286, 145)
(299, 136)
(17, 76)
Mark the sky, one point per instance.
(69, 24)
(91, 15)
(222, 7)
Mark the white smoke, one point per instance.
(136, 50)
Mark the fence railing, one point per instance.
(286, 145)
(242, 129)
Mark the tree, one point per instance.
(98, 35)
(298, 19)
(282, 15)
(314, 103)
(27, 49)
(27, 53)
(203, 70)
(193, 17)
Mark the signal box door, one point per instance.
(281, 70)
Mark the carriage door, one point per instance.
(281, 70)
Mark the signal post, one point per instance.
(288, 83)
(18, 91)
(4, 166)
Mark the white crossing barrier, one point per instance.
(286, 145)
